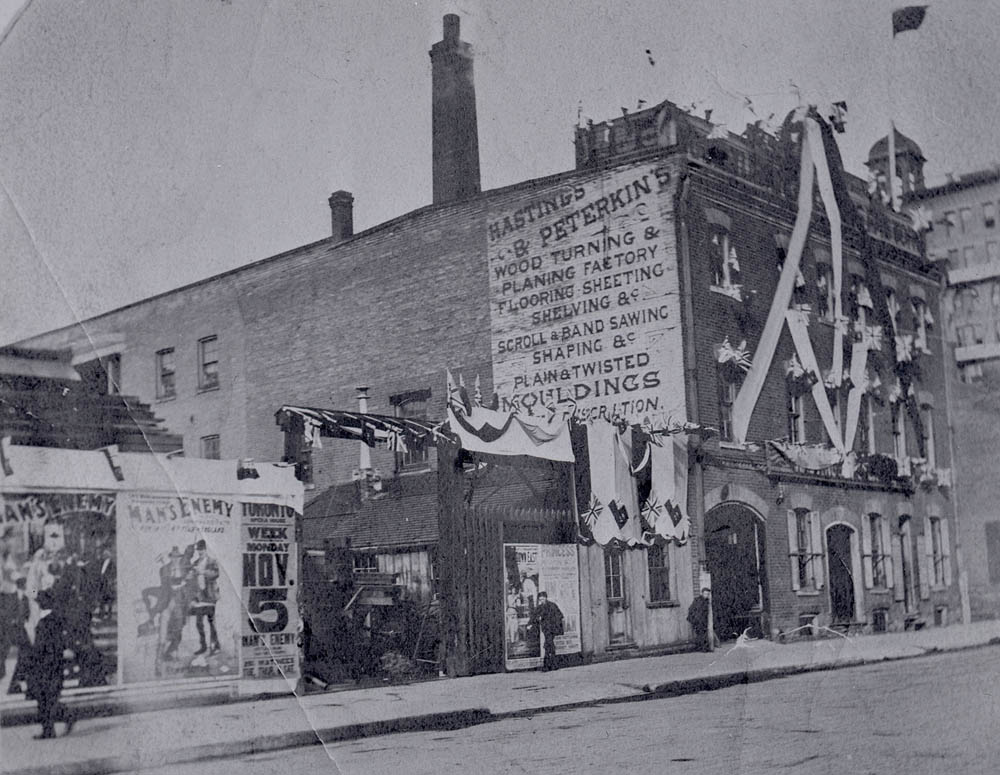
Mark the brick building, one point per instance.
(965, 240)
(654, 264)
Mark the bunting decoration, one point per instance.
(494, 432)
(820, 167)
(373, 429)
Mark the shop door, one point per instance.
(838, 543)
(619, 621)
(735, 554)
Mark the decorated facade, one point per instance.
(719, 352)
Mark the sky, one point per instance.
(146, 145)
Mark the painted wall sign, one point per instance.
(584, 297)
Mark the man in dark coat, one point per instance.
(46, 658)
(698, 619)
(549, 619)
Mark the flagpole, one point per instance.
(892, 123)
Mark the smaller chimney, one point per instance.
(342, 215)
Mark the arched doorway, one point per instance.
(735, 555)
(841, 545)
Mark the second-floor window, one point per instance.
(728, 388)
(208, 363)
(412, 406)
(966, 213)
(824, 291)
(921, 320)
(989, 215)
(927, 420)
(211, 447)
(796, 418)
(166, 386)
(899, 430)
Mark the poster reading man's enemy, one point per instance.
(178, 584)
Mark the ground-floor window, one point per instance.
(937, 551)
(658, 562)
(805, 549)
(365, 563)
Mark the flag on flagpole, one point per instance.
(909, 17)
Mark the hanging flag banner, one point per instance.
(269, 582)
(612, 513)
(528, 570)
(665, 511)
(584, 297)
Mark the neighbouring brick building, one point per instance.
(965, 241)
(654, 265)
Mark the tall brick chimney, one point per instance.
(453, 117)
(342, 215)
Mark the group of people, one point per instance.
(48, 599)
(189, 584)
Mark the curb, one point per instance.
(447, 720)
(458, 719)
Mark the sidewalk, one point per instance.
(145, 740)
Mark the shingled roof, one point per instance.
(405, 514)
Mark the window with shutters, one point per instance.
(899, 431)
(937, 552)
(927, 418)
(805, 550)
(877, 554)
